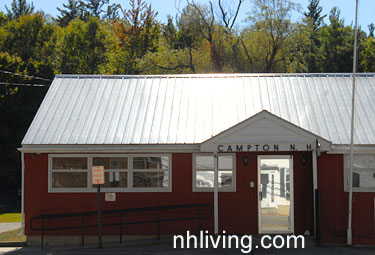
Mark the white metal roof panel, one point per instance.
(189, 109)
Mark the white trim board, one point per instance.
(263, 129)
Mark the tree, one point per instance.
(313, 21)
(134, 35)
(367, 55)
(32, 39)
(268, 37)
(19, 8)
(95, 7)
(371, 29)
(81, 47)
(74, 9)
(314, 14)
(336, 41)
(112, 12)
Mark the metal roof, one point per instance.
(189, 109)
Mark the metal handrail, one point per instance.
(121, 213)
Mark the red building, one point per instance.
(266, 141)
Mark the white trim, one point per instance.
(211, 144)
(111, 148)
(23, 194)
(221, 189)
(345, 149)
(130, 170)
(291, 182)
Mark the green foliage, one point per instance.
(336, 41)
(134, 35)
(81, 47)
(73, 10)
(367, 55)
(19, 8)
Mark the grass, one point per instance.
(12, 236)
(10, 217)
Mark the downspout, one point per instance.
(315, 183)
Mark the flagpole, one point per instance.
(349, 231)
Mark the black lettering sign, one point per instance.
(239, 147)
(248, 147)
(293, 147)
(275, 147)
(229, 148)
(256, 146)
(220, 148)
(308, 147)
(266, 147)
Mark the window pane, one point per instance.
(365, 179)
(151, 162)
(111, 162)
(111, 181)
(225, 179)
(225, 162)
(204, 162)
(150, 179)
(69, 163)
(69, 180)
(204, 179)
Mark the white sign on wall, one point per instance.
(97, 175)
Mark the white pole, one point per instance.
(349, 232)
(216, 195)
(22, 194)
(315, 183)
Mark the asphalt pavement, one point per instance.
(166, 247)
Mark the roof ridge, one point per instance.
(214, 75)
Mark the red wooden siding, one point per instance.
(238, 211)
(334, 202)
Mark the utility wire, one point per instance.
(23, 84)
(25, 75)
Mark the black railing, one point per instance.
(158, 210)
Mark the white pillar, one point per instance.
(22, 194)
(315, 182)
(216, 195)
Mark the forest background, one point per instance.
(95, 37)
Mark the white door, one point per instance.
(275, 186)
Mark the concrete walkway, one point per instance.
(5, 227)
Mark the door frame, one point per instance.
(291, 183)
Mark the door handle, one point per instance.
(260, 195)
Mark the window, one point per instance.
(115, 171)
(69, 172)
(150, 172)
(363, 172)
(123, 173)
(203, 172)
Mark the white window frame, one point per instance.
(130, 171)
(220, 189)
(50, 171)
(346, 174)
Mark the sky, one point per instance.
(366, 14)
